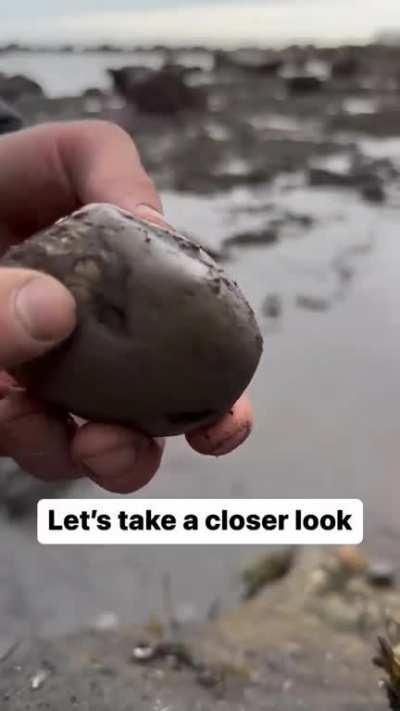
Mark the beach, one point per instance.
(317, 260)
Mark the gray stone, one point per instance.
(165, 341)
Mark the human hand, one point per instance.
(45, 173)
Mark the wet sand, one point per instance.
(305, 642)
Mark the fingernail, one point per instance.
(113, 463)
(232, 441)
(45, 309)
(146, 212)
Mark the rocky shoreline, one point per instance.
(250, 114)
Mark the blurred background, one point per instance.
(272, 130)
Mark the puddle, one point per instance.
(380, 148)
(276, 122)
(217, 131)
(69, 74)
(313, 67)
(357, 105)
(339, 163)
(322, 236)
(280, 126)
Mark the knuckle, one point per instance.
(14, 410)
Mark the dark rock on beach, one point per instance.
(304, 84)
(19, 86)
(10, 119)
(373, 191)
(345, 66)
(163, 92)
(126, 78)
(368, 177)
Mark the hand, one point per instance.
(45, 173)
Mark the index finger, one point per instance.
(59, 167)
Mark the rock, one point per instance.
(10, 120)
(180, 69)
(381, 574)
(39, 678)
(126, 78)
(268, 68)
(304, 84)
(352, 559)
(15, 87)
(374, 192)
(258, 63)
(176, 653)
(324, 176)
(345, 67)
(223, 60)
(366, 181)
(165, 341)
(161, 92)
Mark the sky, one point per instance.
(222, 22)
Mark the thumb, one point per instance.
(36, 313)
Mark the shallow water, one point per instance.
(67, 74)
(326, 399)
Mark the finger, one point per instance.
(7, 383)
(116, 458)
(37, 439)
(104, 165)
(63, 166)
(36, 313)
(227, 434)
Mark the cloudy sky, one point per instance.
(219, 22)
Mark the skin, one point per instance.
(46, 173)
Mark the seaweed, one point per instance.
(388, 659)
